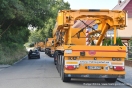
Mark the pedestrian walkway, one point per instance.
(128, 76)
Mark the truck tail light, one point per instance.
(70, 67)
(119, 68)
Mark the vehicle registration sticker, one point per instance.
(94, 67)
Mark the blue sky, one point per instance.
(92, 4)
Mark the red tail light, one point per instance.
(119, 68)
(70, 67)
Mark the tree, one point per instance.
(16, 15)
(46, 31)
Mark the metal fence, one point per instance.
(129, 52)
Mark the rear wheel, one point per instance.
(54, 62)
(50, 55)
(29, 57)
(60, 64)
(63, 78)
(55, 57)
(57, 63)
(111, 80)
(46, 51)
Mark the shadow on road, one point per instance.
(93, 82)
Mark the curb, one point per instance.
(20, 60)
(4, 66)
(7, 66)
(127, 84)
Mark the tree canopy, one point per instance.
(46, 31)
(16, 15)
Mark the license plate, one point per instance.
(94, 67)
(33, 53)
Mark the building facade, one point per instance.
(126, 34)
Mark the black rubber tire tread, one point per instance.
(54, 58)
(63, 78)
(111, 80)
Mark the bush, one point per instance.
(31, 45)
(119, 42)
(12, 53)
(107, 42)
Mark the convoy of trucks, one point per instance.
(79, 52)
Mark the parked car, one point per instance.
(33, 54)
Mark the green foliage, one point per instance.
(46, 31)
(129, 58)
(130, 41)
(130, 44)
(107, 42)
(31, 45)
(9, 55)
(17, 15)
(119, 42)
(36, 36)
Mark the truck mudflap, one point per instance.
(94, 76)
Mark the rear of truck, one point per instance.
(77, 55)
(92, 61)
(40, 46)
(95, 62)
(49, 47)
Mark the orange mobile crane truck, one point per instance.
(40, 46)
(79, 52)
(49, 47)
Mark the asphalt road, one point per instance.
(42, 73)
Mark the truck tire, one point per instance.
(55, 56)
(60, 64)
(29, 57)
(111, 80)
(57, 62)
(54, 62)
(63, 78)
(50, 55)
(45, 51)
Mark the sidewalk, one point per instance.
(128, 76)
